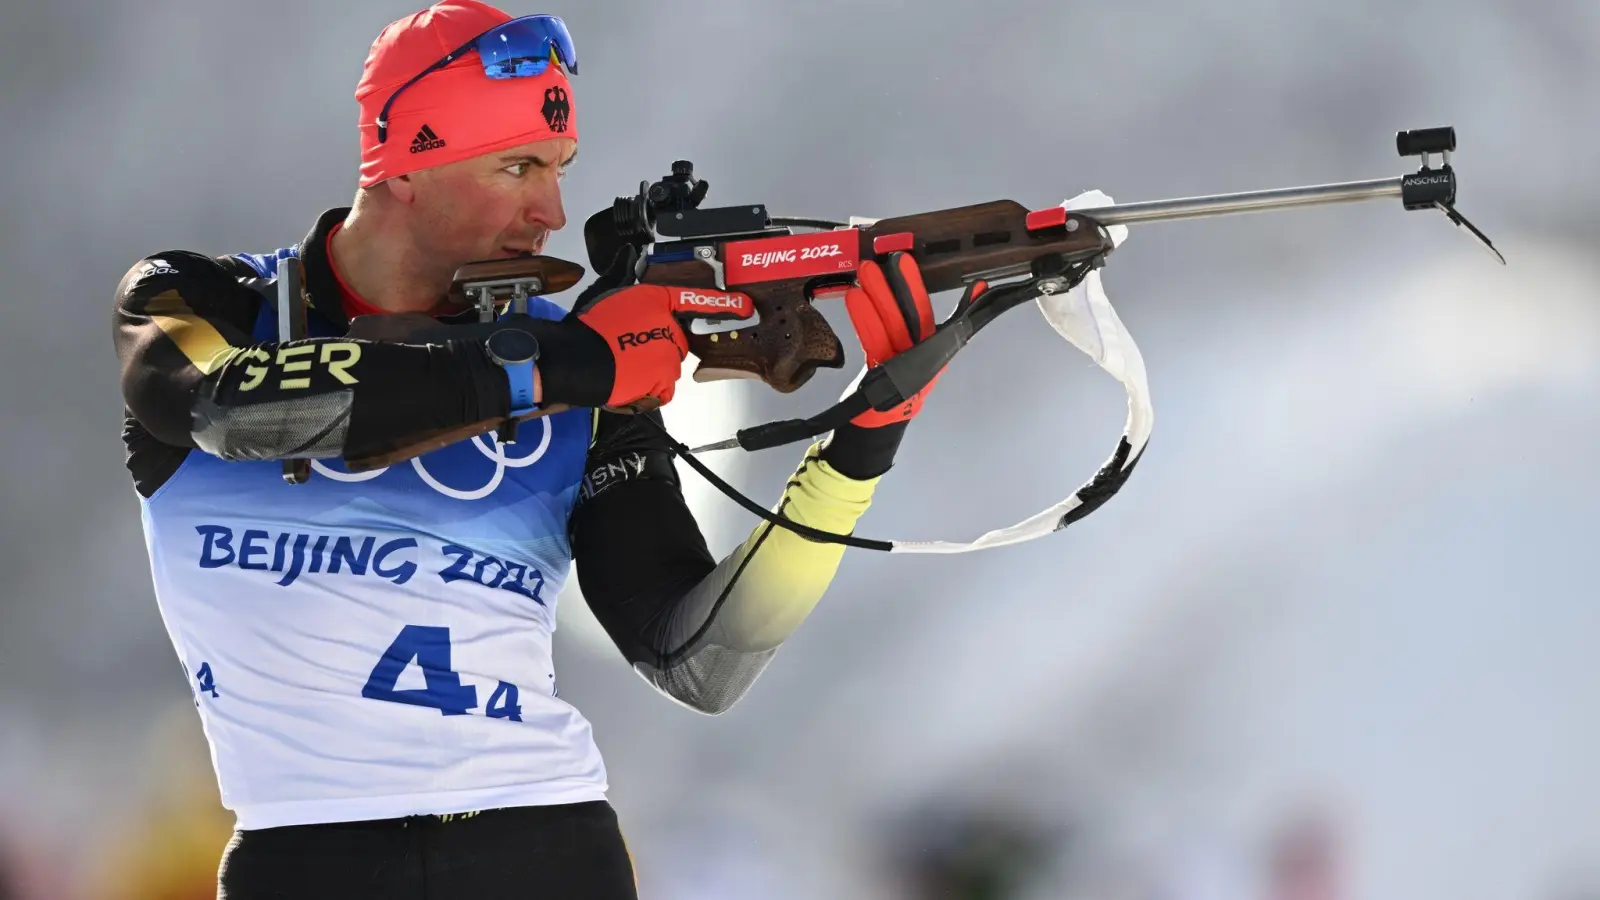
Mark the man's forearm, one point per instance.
(254, 407)
(724, 629)
(194, 376)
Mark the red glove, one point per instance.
(889, 306)
(648, 346)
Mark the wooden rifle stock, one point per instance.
(791, 339)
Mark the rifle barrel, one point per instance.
(1249, 201)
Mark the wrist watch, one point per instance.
(515, 351)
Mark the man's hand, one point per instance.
(892, 312)
(640, 325)
(639, 354)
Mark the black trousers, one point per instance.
(544, 852)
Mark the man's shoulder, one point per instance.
(167, 269)
(180, 269)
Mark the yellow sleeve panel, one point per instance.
(732, 623)
(785, 575)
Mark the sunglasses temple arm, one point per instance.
(383, 116)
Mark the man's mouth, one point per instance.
(524, 248)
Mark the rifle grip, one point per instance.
(784, 348)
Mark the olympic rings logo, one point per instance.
(490, 447)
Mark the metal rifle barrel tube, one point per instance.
(1249, 201)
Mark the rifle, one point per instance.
(744, 249)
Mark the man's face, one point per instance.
(494, 206)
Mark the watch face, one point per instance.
(512, 345)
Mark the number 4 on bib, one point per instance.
(206, 682)
(503, 703)
(429, 645)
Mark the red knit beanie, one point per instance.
(453, 113)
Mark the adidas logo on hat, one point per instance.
(426, 140)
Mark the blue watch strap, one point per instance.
(521, 377)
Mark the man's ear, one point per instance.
(402, 188)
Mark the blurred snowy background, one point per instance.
(1335, 639)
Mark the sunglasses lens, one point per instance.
(523, 48)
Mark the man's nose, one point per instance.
(545, 207)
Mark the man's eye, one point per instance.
(518, 169)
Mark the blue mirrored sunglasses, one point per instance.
(520, 48)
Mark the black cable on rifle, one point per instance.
(805, 531)
(826, 224)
